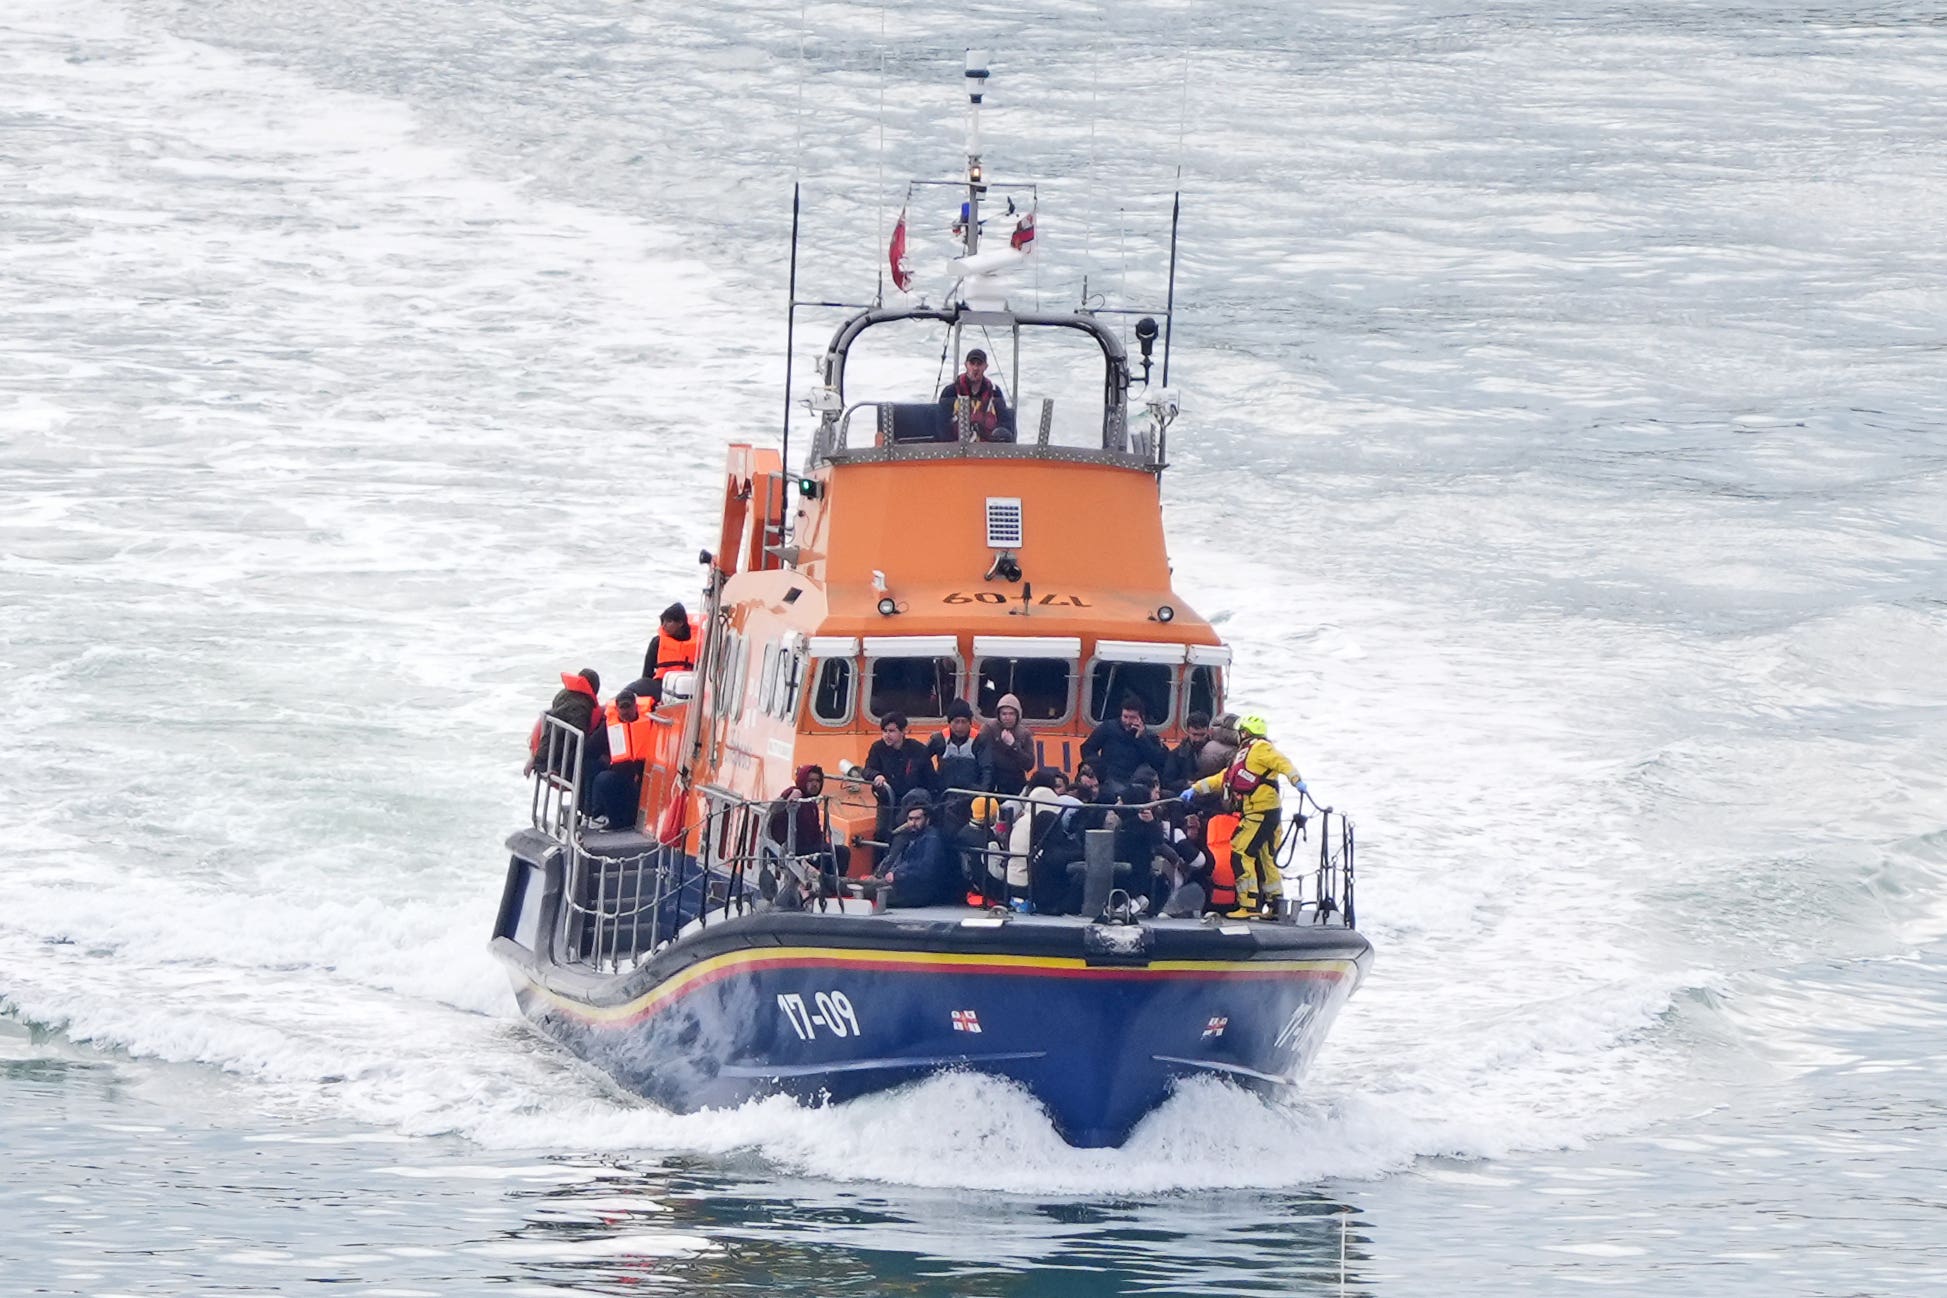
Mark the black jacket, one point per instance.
(1180, 767)
(1115, 753)
(905, 770)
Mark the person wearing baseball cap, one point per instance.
(987, 412)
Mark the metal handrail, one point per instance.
(618, 909)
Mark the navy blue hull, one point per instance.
(828, 1008)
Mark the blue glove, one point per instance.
(1300, 786)
(1187, 796)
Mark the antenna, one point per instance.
(976, 88)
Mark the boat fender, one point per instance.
(1116, 944)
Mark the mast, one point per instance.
(976, 87)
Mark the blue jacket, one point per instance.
(921, 868)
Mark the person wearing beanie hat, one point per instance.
(955, 752)
(1009, 751)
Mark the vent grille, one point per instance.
(1003, 522)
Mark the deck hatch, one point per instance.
(1003, 522)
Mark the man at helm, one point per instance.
(987, 410)
(1250, 783)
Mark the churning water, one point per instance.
(1565, 455)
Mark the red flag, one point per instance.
(902, 278)
(1023, 234)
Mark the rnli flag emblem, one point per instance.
(966, 1021)
(1216, 1026)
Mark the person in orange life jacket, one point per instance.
(1009, 753)
(1251, 782)
(673, 650)
(577, 704)
(1116, 748)
(987, 409)
(624, 740)
(896, 766)
(1180, 767)
(797, 825)
(919, 862)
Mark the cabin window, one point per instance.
(1206, 692)
(1044, 686)
(740, 676)
(831, 699)
(1153, 683)
(919, 687)
(790, 678)
(767, 680)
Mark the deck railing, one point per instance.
(626, 895)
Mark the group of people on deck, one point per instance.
(968, 815)
(619, 736)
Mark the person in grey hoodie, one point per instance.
(1009, 748)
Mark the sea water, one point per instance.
(1564, 455)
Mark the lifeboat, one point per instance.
(920, 554)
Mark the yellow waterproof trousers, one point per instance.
(1253, 855)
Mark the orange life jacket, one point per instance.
(629, 741)
(673, 655)
(1223, 876)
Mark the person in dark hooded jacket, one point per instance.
(919, 862)
(578, 705)
(797, 826)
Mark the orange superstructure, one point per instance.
(896, 574)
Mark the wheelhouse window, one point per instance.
(919, 687)
(1109, 680)
(1205, 692)
(831, 698)
(1045, 686)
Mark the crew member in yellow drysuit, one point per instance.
(1250, 783)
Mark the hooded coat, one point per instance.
(1008, 754)
(810, 838)
(1032, 824)
(577, 704)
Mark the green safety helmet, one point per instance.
(1252, 725)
